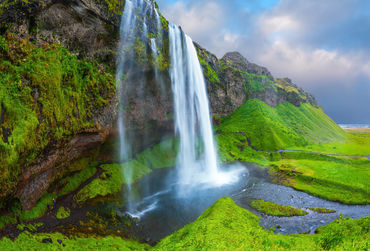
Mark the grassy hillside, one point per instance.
(256, 128)
(226, 226)
(284, 126)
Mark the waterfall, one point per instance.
(197, 157)
(133, 27)
(192, 115)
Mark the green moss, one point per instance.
(63, 213)
(71, 183)
(46, 94)
(274, 209)
(28, 241)
(30, 227)
(208, 72)
(114, 7)
(226, 226)
(256, 83)
(321, 210)
(109, 182)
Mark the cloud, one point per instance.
(321, 45)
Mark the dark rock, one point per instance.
(243, 64)
(47, 240)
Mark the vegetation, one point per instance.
(67, 185)
(114, 7)
(111, 180)
(341, 179)
(355, 143)
(281, 127)
(57, 241)
(321, 210)
(209, 73)
(46, 95)
(226, 226)
(275, 209)
(256, 83)
(256, 128)
(63, 212)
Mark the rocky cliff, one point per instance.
(57, 90)
(232, 80)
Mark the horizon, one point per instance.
(322, 46)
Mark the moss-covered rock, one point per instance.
(47, 96)
(63, 212)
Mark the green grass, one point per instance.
(307, 128)
(321, 210)
(355, 143)
(282, 127)
(275, 209)
(28, 241)
(63, 212)
(226, 226)
(340, 179)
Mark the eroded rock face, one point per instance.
(54, 162)
(240, 80)
(90, 33)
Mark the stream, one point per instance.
(162, 210)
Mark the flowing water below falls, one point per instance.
(164, 211)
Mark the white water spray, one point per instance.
(131, 29)
(192, 115)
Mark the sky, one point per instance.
(322, 45)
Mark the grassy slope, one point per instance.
(306, 128)
(281, 127)
(226, 226)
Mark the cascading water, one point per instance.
(197, 158)
(192, 116)
(132, 28)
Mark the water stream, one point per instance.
(166, 212)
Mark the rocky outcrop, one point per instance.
(232, 80)
(89, 29)
(242, 64)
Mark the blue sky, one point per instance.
(322, 45)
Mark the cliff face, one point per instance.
(233, 80)
(57, 104)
